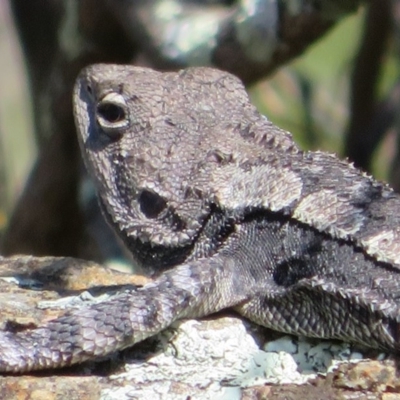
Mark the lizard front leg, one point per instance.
(190, 290)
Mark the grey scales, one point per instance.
(225, 211)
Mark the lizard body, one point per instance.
(224, 209)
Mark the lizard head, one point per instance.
(149, 141)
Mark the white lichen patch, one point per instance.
(83, 299)
(197, 356)
(295, 360)
(216, 359)
(314, 356)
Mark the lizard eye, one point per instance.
(112, 114)
(151, 204)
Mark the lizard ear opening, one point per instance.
(151, 204)
(112, 114)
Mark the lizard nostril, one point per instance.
(151, 204)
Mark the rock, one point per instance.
(220, 357)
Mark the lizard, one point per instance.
(224, 210)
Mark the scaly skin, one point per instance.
(225, 211)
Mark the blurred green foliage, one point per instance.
(309, 98)
(17, 143)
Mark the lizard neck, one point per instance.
(153, 259)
